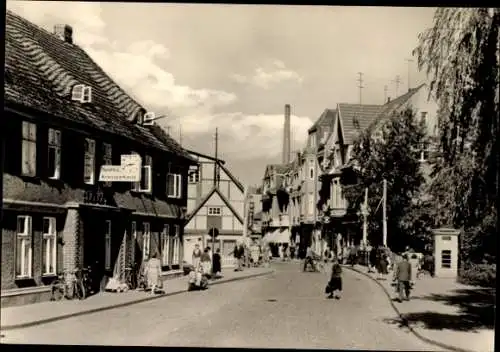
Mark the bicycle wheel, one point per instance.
(57, 289)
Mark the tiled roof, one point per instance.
(41, 70)
(394, 105)
(327, 117)
(356, 118)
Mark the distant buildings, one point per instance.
(215, 201)
(303, 199)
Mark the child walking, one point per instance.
(335, 283)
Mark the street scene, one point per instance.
(169, 182)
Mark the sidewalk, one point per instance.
(45, 312)
(445, 313)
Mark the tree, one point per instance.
(461, 55)
(394, 157)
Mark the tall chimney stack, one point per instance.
(286, 136)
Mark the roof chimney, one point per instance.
(64, 32)
(286, 136)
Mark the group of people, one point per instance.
(206, 263)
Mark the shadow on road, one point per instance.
(476, 310)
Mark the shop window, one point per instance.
(29, 149)
(146, 240)
(54, 157)
(165, 245)
(446, 259)
(24, 247)
(49, 246)
(89, 167)
(107, 244)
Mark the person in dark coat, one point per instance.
(372, 259)
(216, 266)
(335, 283)
(402, 276)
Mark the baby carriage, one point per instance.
(197, 280)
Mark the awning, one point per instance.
(282, 236)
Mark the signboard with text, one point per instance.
(128, 171)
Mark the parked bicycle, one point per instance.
(68, 285)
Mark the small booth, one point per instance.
(446, 252)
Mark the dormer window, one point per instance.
(81, 93)
(148, 119)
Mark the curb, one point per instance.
(120, 305)
(404, 320)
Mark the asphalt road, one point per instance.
(284, 310)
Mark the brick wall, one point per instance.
(72, 241)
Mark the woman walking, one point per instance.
(217, 267)
(196, 255)
(153, 274)
(335, 283)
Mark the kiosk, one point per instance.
(446, 252)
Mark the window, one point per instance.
(194, 176)
(446, 259)
(89, 170)
(423, 153)
(29, 149)
(24, 247)
(54, 158)
(423, 116)
(49, 246)
(214, 211)
(174, 185)
(81, 93)
(107, 245)
(177, 243)
(311, 173)
(146, 182)
(311, 204)
(107, 157)
(165, 245)
(146, 240)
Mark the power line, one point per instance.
(360, 86)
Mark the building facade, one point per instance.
(215, 201)
(64, 118)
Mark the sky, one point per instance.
(234, 67)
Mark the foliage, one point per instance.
(393, 157)
(460, 53)
(483, 275)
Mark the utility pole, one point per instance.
(384, 212)
(364, 212)
(409, 61)
(216, 157)
(385, 94)
(397, 81)
(360, 86)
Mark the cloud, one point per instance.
(267, 77)
(133, 65)
(248, 136)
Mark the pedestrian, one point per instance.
(335, 283)
(196, 255)
(429, 263)
(309, 258)
(206, 262)
(402, 277)
(372, 259)
(216, 266)
(153, 273)
(383, 263)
